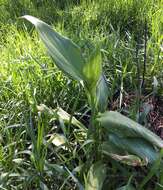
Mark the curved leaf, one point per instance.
(68, 58)
(120, 155)
(124, 127)
(96, 176)
(93, 69)
(99, 94)
(65, 53)
(102, 93)
(135, 146)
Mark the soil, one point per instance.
(154, 114)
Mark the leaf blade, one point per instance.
(64, 52)
(102, 93)
(125, 127)
(96, 176)
(135, 146)
(93, 69)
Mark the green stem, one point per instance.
(95, 130)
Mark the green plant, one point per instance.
(110, 133)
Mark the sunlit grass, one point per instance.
(28, 78)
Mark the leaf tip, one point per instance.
(31, 19)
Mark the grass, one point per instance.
(29, 78)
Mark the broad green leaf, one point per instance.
(124, 127)
(102, 93)
(135, 146)
(93, 69)
(99, 94)
(64, 52)
(120, 155)
(96, 176)
(68, 58)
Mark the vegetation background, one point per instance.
(129, 33)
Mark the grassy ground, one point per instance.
(130, 36)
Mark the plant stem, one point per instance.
(145, 54)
